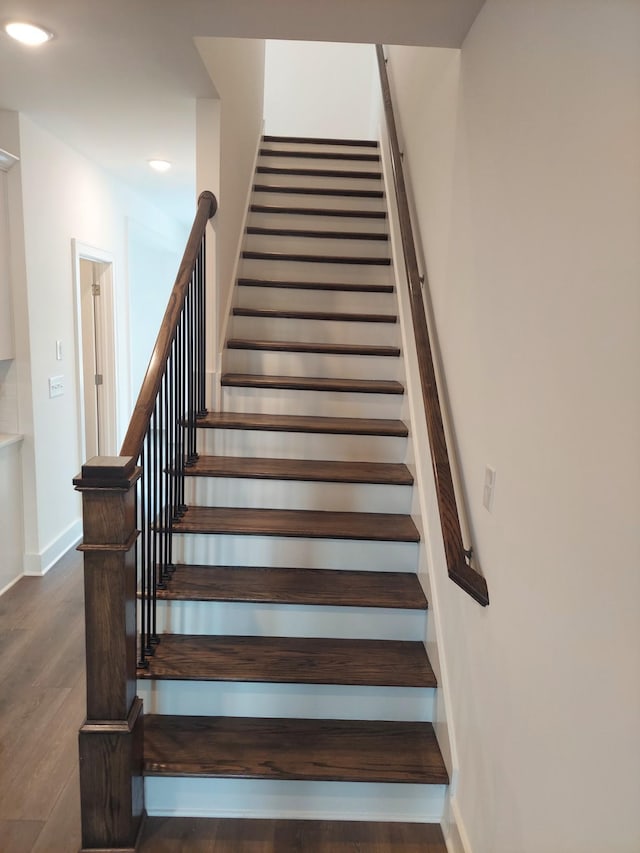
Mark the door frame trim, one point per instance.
(84, 251)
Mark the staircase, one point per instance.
(292, 680)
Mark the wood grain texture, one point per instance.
(353, 260)
(319, 173)
(311, 383)
(269, 585)
(313, 347)
(303, 423)
(320, 155)
(42, 704)
(328, 191)
(321, 140)
(312, 470)
(293, 314)
(319, 211)
(111, 784)
(457, 566)
(315, 233)
(318, 750)
(314, 524)
(193, 835)
(290, 660)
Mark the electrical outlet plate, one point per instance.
(56, 386)
(489, 486)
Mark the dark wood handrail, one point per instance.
(457, 566)
(139, 424)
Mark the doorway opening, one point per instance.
(96, 348)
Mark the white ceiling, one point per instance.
(120, 79)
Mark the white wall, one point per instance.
(227, 138)
(524, 154)
(318, 89)
(63, 196)
(153, 261)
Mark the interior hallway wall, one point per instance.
(64, 196)
(320, 89)
(228, 131)
(524, 158)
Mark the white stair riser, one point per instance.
(291, 494)
(338, 404)
(319, 147)
(305, 701)
(304, 553)
(272, 363)
(313, 181)
(317, 245)
(317, 222)
(306, 271)
(330, 202)
(300, 445)
(355, 302)
(291, 800)
(286, 620)
(328, 162)
(322, 331)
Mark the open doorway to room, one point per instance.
(95, 342)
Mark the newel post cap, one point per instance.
(107, 472)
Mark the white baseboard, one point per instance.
(454, 830)
(39, 564)
(10, 584)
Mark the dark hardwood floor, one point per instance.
(42, 701)
(42, 704)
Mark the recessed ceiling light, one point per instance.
(28, 34)
(160, 165)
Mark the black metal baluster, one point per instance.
(183, 410)
(171, 456)
(166, 475)
(161, 573)
(190, 366)
(148, 545)
(153, 523)
(203, 322)
(141, 564)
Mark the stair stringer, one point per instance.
(432, 566)
(215, 389)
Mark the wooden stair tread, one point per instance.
(270, 585)
(313, 524)
(304, 423)
(319, 211)
(356, 287)
(311, 470)
(317, 233)
(264, 748)
(313, 347)
(311, 383)
(307, 171)
(330, 191)
(231, 835)
(321, 140)
(290, 660)
(339, 316)
(361, 260)
(320, 155)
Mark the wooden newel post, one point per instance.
(111, 739)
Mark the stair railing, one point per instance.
(162, 430)
(129, 504)
(457, 556)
